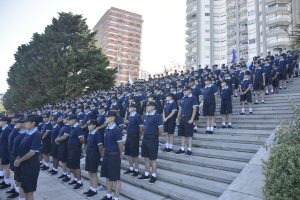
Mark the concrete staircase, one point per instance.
(217, 159)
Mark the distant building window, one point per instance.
(207, 39)
(251, 13)
(251, 22)
(251, 41)
(207, 14)
(206, 6)
(207, 31)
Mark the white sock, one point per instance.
(64, 173)
(94, 189)
(243, 110)
(189, 149)
(75, 179)
(229, 123)
(21, 198)
(212, 128)
(6, 180)
(146, 173)
(79, 182)
(223, 123)
(167, 145)
(153, 174)
(207, 128)
(250, 109)
(1, 173)
(108, 195)
(17, 189)
(195, 127)
(69, 176)
(116, 198)
(54, 169)
(170, 146)
(130, 168)
(136, 170)
(272, 90)
(46, 164)
(182, 148)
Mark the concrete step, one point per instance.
(233, 138)
(241, 132)
(254, 126)
(194, 183)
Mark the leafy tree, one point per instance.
(61, 63)
(296, 38)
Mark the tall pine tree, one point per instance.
(59, 64)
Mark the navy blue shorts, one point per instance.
(258, 84)
(150, 148)
(74, 154)
(30, 170)
(62, 153)
(169, 126)
(184, 128)
(111, 166)
(226, 107)
(54, 150)
(209, 108)
(46, 146)
(92, 160)
(246, 97)
(283, 76)
(132, 146)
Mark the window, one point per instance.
(207, 14)
(207, 39)
(251, 41)
(206, 30)
(251, 13)
(251, 22)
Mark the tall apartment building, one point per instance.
(254, 27)
(119, 35)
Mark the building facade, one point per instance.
(119, 35)
(251, 28)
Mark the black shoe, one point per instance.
(91, 194)
(251, 113)
(10, 191)
(77, 186)
(128, 171)
(135, 173)
(62, 176)
(44, 168)
(66, 179)
(152, 180)
(188, 153)
(195, 130)
(284, 87)
(72, 183)
(266, 93)
(165, 149)
(223, 126)
(106, 198)
(210, 132)
(54, 173)
(13, 195)
(2, 183)
(51, 171)
(180, 151)
(5, 186)
(1, 177)
(206, 132)
(215, 126)
(170, 150)
(87, 192)
(242, 113)
(144, 177)
(229, 126)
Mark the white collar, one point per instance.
(112, 126)
(225, 87)
(151, 113)
(209, 85)
(190, 95)
(55, 126)
(93, 132)
(171, 101)
(4, 127)
(32, 131)
(132, 113)
(75, 125)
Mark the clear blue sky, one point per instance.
(163, 40)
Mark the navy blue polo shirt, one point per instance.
(187, 104)
(101, 118)
(169, 107)
(282, 65)
(275, 72)
(30, 142)
(87, 116)
(65, 130)
(226, 94)
(55, 132)
(196, 91)
(152, 122)
(6, 130)
(133, 127)
(112, 136)
(208, 93)
(245, 84)
(258, 73)
(94, 139)
(47, 127)
(17, 141)
(80, 116)
(11, 138)
(75, 134)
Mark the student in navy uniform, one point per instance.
(6, 130)
(226, 104)
(196, 91)
(62, 150)
(15, 191)
(259, 82)
(54, 146)
(46, 141)
(245, 92)
(209, 99)
(28, 156)
(76, 139)
(93, 152)
(169, 118)
(132, 144)
(282, 72)
(185, 119)
(153, 127)
(275, 78)
(113, 149)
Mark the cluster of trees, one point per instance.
(60, 64)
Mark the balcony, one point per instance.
(231, 33)
(243, 47)
(243, 29)
(190, 55)
(231, 42)
(280, 42)
(282, 9)
(277, 31)
(243, 38)
(267, 2)
(243, 18)
(243, 9)
(231, 15)
(280, 20)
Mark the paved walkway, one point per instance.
(50, 187)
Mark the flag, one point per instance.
(233, 56)
(130, 79)
(165, 70)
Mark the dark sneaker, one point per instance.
(128, 171)
(170, 150)
(91, 194)
(51, 171)
(215, 126)
(10, 191)
(66, 179)
(54, 173)
(1, 177)
(13, 195)
(5, 186)
(180, 151)
(44, 168)
(77, 186)
(229, 126)
(62, 176)
(284, 87)
(223, 126)
(210, 132)
(256, 102)
(106, 198)
(152, 180)
(195, 130)
(144, 177)
(188, 153)
(72, 183)
(165, 149)
(135, 173)
(87, 192)
(206, 132)
(242, 113)
(251, 113)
